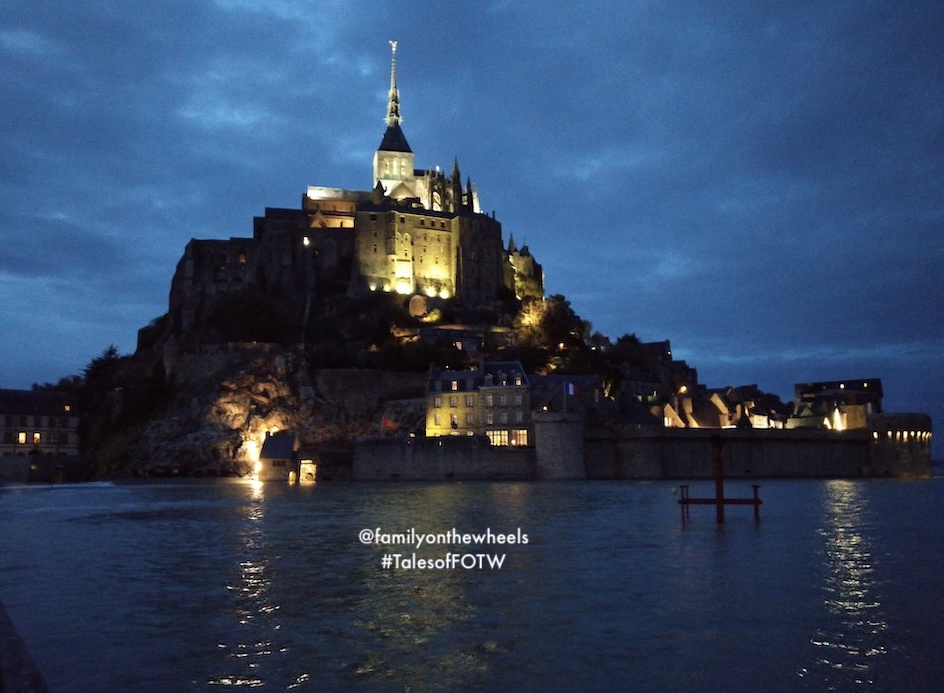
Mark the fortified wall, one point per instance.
(612, 453)
(565, 450)
(449, 458)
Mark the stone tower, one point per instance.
(393, 160)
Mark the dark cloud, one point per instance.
(761, 183)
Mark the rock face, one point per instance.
(227, 400)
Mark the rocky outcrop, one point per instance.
(227, 399)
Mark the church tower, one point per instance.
(393, 160)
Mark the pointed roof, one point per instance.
(394, 140)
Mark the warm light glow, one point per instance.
(430, 291)
(306, 241)
(252, 451)
(837, 420)
(683, 389)
(443, 294)
(404, 288)
(257, 468)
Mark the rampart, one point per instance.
(458, 458)
(612, 453)
(644, 453)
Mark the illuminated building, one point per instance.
(494, 401)
(414, 232)
(38, 422)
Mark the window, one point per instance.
(437, 402)
(519, 399)
(503, 417)
(435, 419)
(469, 419)
(519, 417)
(469, 401)
(489, 418)
(497, 437)
(503, 400)
(518, 379)
(36, 437)
(455, 385)
(453, 401)
(21, 437)
(519, 436)
(489, 400)
(454, 420)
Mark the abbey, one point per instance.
(416, 231)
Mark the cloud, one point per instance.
(760, 183)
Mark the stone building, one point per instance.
(493, 401)
(38, 422)
(839, 405)
(415, 231)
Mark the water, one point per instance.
(207, 586)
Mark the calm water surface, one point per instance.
(206, 586)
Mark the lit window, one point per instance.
(36, 438)
(455, 385)
(497, 437)
(21, 437)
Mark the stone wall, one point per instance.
(457, 458)
(559, 446)
(638, 453)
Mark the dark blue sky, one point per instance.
(762, 183)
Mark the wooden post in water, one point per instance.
(717, 446)
(719, 501)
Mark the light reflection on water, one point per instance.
(856, 625)
(212, 586)
(254, 607)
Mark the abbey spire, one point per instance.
(393, 97)
(394, 140)
(393, 160)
